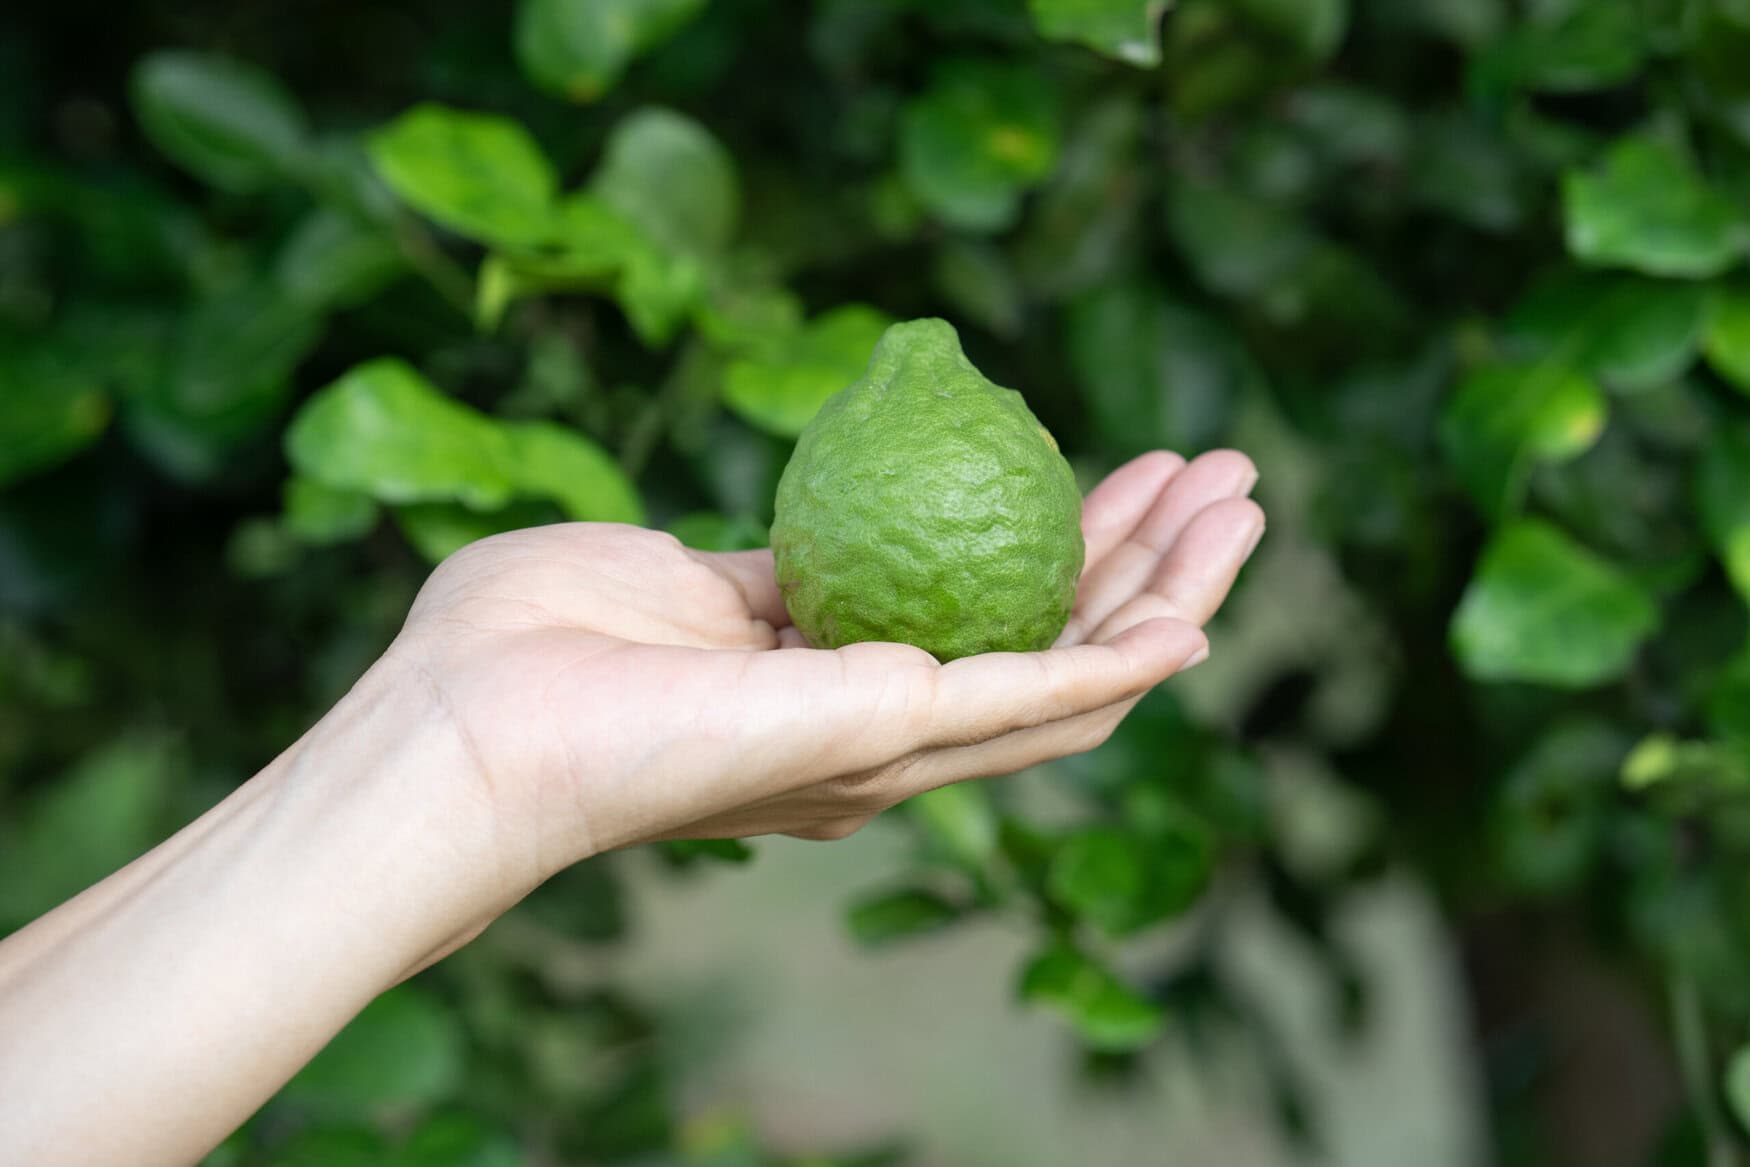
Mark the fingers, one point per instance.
(1197, 572)
(819, 713)
(866, 706)
(1012, 752)
(1126, 570)
(1113, 509)
(981, 697)
(849, 733)
(751, 573)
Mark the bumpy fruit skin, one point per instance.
(928, 506)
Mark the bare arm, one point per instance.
(146, 1018)
(556, 693)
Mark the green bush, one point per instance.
(296, 300)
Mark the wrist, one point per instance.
(404, 799)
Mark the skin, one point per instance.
(556, 693)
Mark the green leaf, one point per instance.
(710, 531)
(334, 260)
(1646, 208)
(1737, 1086)
(333, 1146)
(1157, 374)
(233, 1152)
(977, 140)
(480, 175)
(1127, 30)
(591, 240)
(234, 354)
(1464, 167)
(320, 514)
(1728, 336)
(345, 181)
(438, 530)
(666, 173)
(1685, 773)
(684, 852)
(1315, 27)
(228, 122)
(1254, 250)
(262, 548)
(1121, 882)
(899, 915)
(1728, 702)
(781, 391)
(1551, 816)
(228, 375)
(977, 281)
(1722, 488)
(1107, 1013)
(50, 409)
(1083, 231)
(556, 378)
(1349, 125)
(577, 49)
(1100, 873)
(1238, 245)
(406, 1049)
(551, 461)
(459, 1140)
(385, 431)
(1543, 609)
(1466, 22)
(657, 292)
(748, 318)
(1630, 332)
(82, 826)
(958, 823)
(1505, 419)
(496, 287)
(1569, 46)
(586, 253)
(1215, 63)
(596, 249)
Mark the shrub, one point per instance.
(294, 303)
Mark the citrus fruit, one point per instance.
(928, 506)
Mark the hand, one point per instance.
(613, 687)
(556, 692)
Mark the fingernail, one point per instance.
(1195, 658)
(1249, 480)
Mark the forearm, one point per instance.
(148, 1017)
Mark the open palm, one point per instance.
(613, 686)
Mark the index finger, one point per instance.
(752, 575)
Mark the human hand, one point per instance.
(556, 692)
(613, 687)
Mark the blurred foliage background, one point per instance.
(294, 300)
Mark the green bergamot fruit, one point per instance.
(928, 506)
